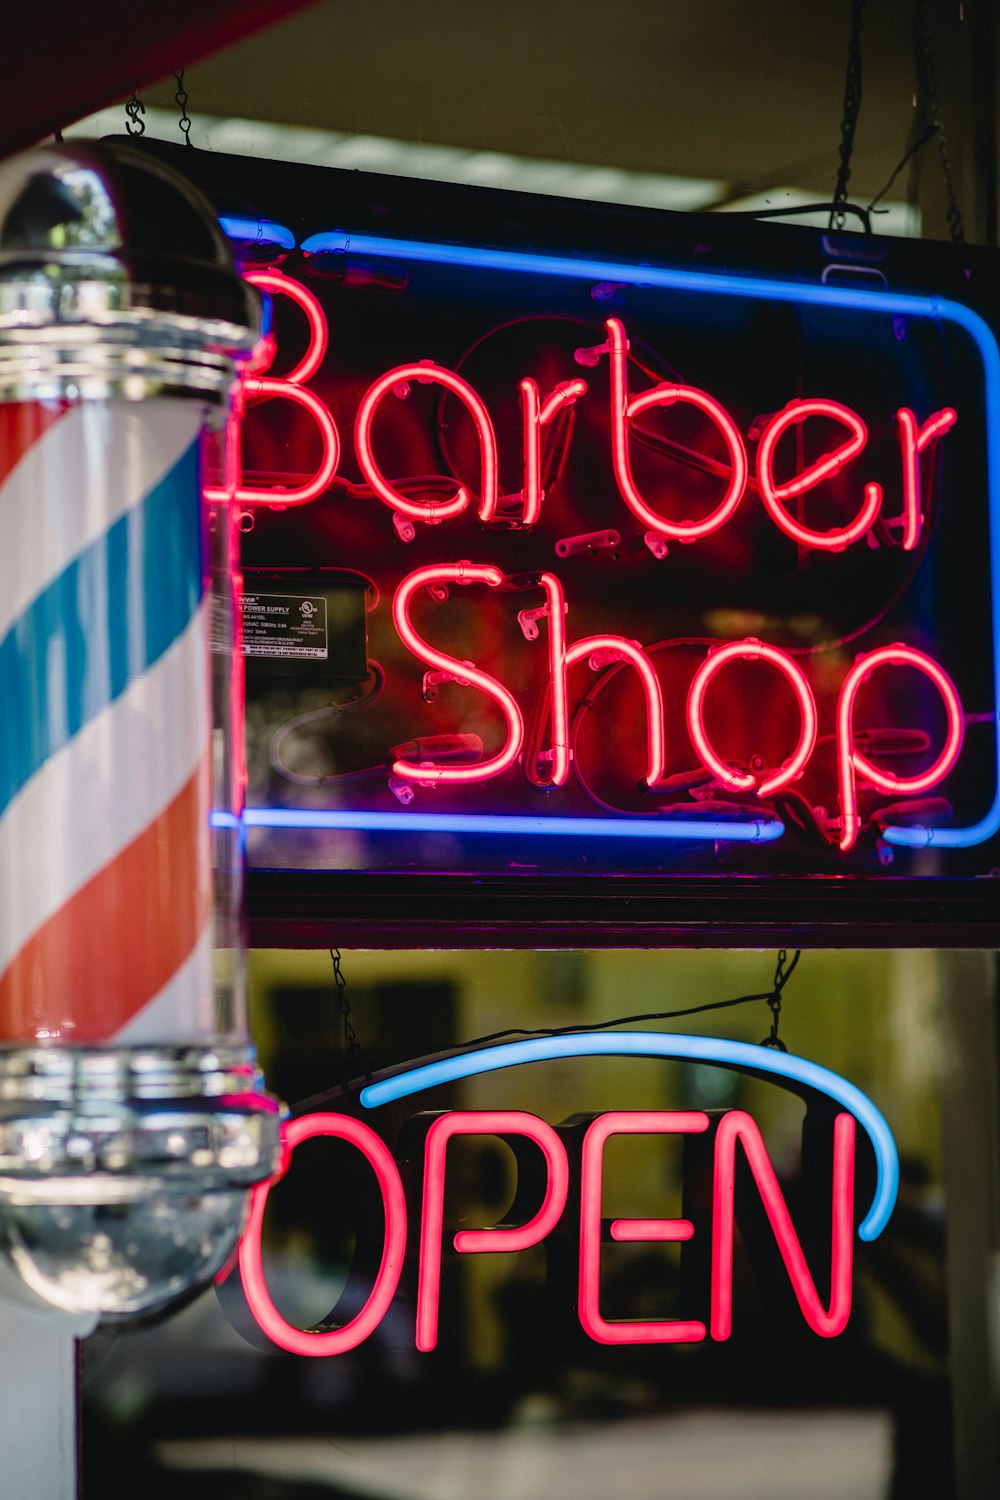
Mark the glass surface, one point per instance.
(227, 748)
(515, 1398)
(110, 593)
(586, 611)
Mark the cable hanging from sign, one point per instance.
(329, 714)
(771, 996)
(927, 134)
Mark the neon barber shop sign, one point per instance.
(560, 1196)
(665, 560)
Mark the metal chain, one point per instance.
(928, 79)
(852, 109)
(781, 978)
(134, 108)
(184, 123)
(352, 1045)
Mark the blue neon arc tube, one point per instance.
(708, 1049)
(940, 309)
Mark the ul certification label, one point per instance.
(285, 625)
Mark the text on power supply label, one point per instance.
(285, 625)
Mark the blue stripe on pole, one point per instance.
(100, 624)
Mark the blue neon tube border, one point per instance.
(258, 232)
(856, 299)
(709, 1049)
(760, 831)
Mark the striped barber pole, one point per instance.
(105, 725)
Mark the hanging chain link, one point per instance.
(852, 109)
(928, 81)
(781, 978)
(352, 1047)
(184, 123)
(134, 108)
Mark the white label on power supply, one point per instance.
(287, 625)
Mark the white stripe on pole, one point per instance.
(183, 1009)
(44, 528)
(154, 736)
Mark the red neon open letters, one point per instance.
(429, 1239)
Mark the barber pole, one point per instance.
(126, 1074)
(103, 613)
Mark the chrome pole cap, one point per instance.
(112, 264)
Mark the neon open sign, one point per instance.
(725, 573)
(571, 1160)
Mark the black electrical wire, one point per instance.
(463, 358)
(678, 451)
(652, 1015)
(793, 805)
(597, 332)
(793, 210)
(798, 806)
(689, 456)
(415, 483)
(330, 711)
(703, 464)
(772, 997)
(539, 718)
(927, 134)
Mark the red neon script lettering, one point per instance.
(851, 762)
(335, 1340)
(507, 1238)
(774, 495)
(751, 650)
(429, 772)
(555, 604)
(616, 648)
(620, 1122)
(738, 1126)
(596, 648)
(426, 371)
(625, 408)
(914, 437)
(536, 414)
(256, 385)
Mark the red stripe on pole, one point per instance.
(22, 423)
(100, 958)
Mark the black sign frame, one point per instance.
(472, 907)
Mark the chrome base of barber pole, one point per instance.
(125, 1173)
